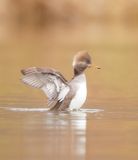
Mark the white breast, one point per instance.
(81, 92)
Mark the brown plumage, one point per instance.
(59, 91)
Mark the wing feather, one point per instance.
(53, 84)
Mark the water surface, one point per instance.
(107, 126)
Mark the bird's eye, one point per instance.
(88, 61)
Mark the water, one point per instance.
(34, 133)
(106, 128)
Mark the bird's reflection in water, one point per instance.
(39, 134)
(67, 135)
(43, 135)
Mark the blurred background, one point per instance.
(48, 33)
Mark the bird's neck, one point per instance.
(77, 72)
(79, 78)
(79, 69)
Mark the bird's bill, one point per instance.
(95, 66)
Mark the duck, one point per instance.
(62, 95)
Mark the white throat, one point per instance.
(80, 84)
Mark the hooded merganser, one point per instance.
(62, 94)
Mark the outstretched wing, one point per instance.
(54, 85)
